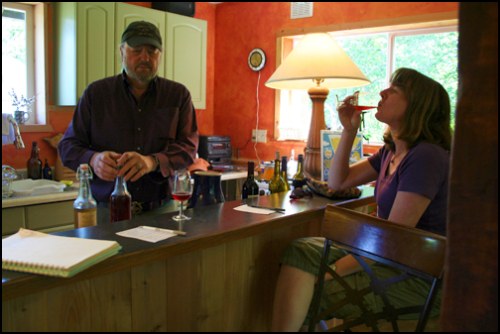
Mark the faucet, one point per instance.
(18, 141)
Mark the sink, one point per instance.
(31, 187)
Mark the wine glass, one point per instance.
(354, 101)
(180, 184)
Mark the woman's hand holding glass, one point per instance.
(349, 115)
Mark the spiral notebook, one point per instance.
(52, 255)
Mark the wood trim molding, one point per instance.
(405, 22)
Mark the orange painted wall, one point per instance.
(233, 30)
(242, 26)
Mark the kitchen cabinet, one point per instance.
(185, 55)
(87, 39)
(47, 217)
(84, 47)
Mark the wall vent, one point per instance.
(300, 10)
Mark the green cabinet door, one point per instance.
(186, 55)
(84, 47)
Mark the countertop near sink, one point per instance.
(66, 195)
(71, 193)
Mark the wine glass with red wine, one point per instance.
(182, 188)
(354, 100)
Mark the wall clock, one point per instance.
(256, 59)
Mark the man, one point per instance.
(135, 125)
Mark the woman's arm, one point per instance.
(408, 208)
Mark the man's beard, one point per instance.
(141, 76)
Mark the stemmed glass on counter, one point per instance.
(180, 184)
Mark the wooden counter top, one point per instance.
(211, 228)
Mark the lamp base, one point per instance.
(312, 158)
(312, 163)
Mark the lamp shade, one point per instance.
(317, 57)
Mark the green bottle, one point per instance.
(277, 185)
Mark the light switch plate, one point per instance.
(259, 136)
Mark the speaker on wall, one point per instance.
(181, 8)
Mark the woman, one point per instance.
(411, 173)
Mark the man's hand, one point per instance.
(135, 165)
(104, 165)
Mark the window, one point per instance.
(23, 57)
(432, 51)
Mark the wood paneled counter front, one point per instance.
(220, 277)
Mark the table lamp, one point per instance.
(317, 64)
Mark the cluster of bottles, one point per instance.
(279, 180)
(34, 165)
(85, 206)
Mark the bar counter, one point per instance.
(219, 277)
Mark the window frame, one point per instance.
(393, 27)
(36, 26)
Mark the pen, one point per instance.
(164, 230)
(280, 210)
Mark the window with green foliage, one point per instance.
(433, 52)
(23, 59)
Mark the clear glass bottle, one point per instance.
(298, 179)
(47, 171)
(276, 185)
(291, 164)
(34, 165)
(85, 206)
(284, 172)
(120, 201)
(250, 188)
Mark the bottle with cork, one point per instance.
(85, 206)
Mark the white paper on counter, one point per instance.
(149, 235)
(246, 208)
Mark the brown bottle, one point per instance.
(120, 201)
(34, 164)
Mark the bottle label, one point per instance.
(85, 217)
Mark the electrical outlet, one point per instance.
(259, 136)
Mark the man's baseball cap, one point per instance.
(140, 33)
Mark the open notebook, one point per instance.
(41, 253)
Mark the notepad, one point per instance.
(41, 253)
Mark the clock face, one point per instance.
(256, 59)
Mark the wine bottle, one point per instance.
(34, 164)
(120, 201)
(47, 171)
(298, 179)
(284, 172)
(276, 184)
(250, 188)
(84, 206)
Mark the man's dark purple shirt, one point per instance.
(108, 118)
(424, 170)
